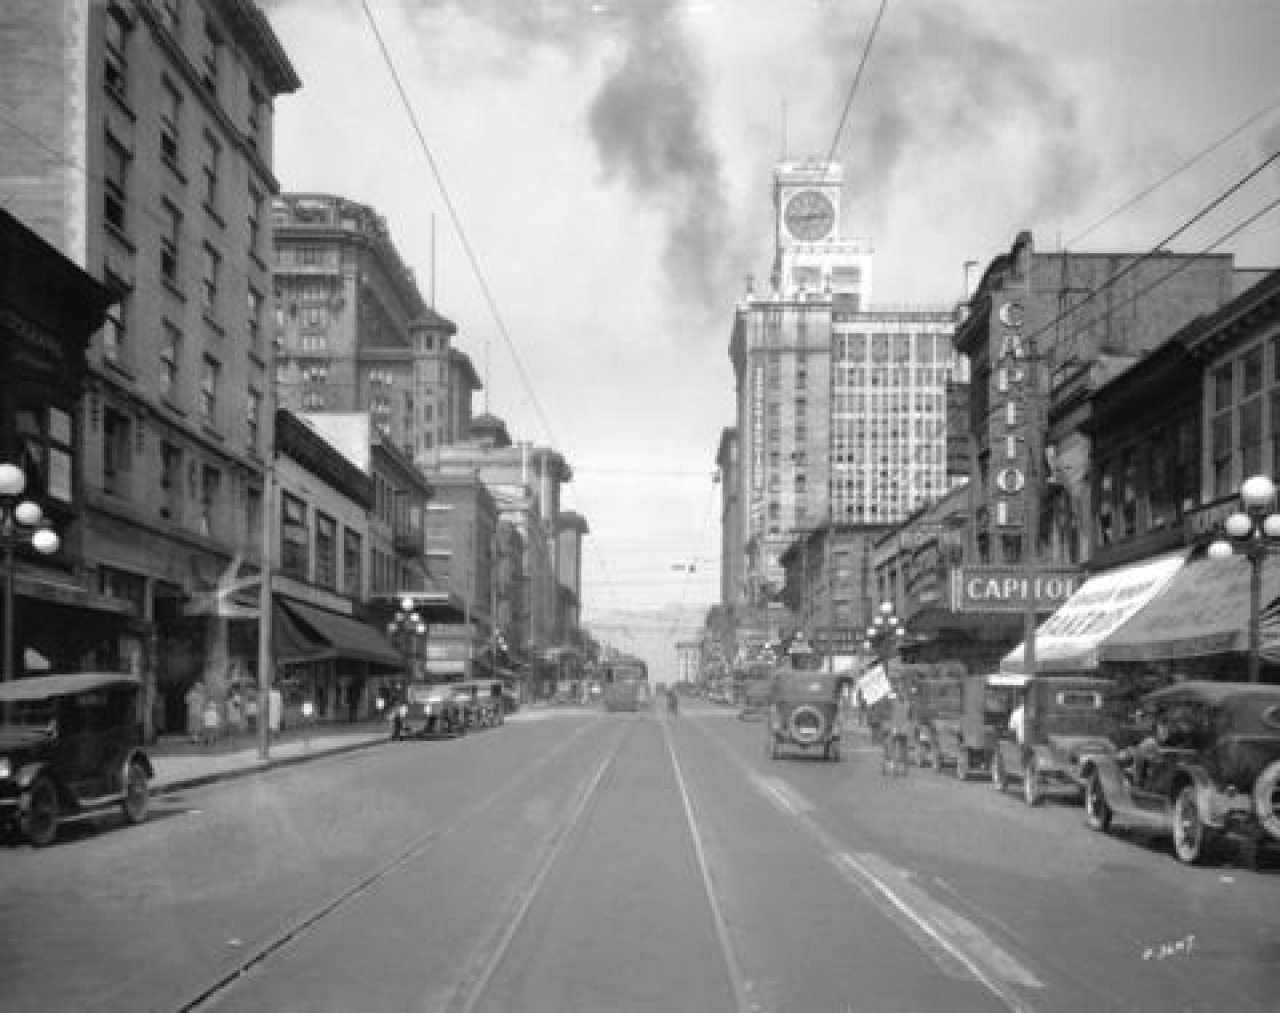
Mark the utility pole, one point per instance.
(265, 606)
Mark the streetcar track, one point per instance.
(955, 944)
(471, 989)
(416, 847)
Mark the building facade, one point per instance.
(144, 153)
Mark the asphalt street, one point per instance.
(577, 860)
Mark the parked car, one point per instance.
(70, 746)
(427, 709)
(1209, 770)
(804, 711)
(932, 698)
(1067, 720)
(481, 701)
(966, 741)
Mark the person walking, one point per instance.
(673, 703)
(275, 711)
(195, 711)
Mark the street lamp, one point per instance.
(884, 633)
(21, 523)
(1256, 529)
(407, 625)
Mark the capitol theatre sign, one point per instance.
(1011, 588)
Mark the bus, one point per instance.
(626, 684)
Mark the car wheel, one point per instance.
(999, 776)
(1031, 793)
(962, 765)
(137, 796)
(40, 816)
(1192, 839)
(1266, 799)
(1096, 810)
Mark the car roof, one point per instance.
(1210, 692)
(39, 687)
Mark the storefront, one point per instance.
(336, 661)
(1198, 626)
(1071, 639)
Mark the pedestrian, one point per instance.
(195, 711)
(1018, 723)
(235, 714)
(673, 703)
(251, 709)
(275, 711)
(210, 722)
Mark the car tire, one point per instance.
(1031, 790)
(1266, 799)
(999, 776)
(137, 795)
(1097, 812)
(40, 813)
(1192, 839)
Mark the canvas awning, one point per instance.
(304, 632)
(1070, 639)
(1203, 610)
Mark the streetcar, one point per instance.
(626, 685)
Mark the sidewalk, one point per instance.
(180, 763)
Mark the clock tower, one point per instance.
(811, 256)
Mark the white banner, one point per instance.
(874, 685)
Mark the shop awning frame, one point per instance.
(305, 633)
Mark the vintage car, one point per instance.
(70, 747)
(966, 741)
(932, 698)
(804, 711)
(1067, 720)
(481, 701)
(1210, 769)
(427, 709)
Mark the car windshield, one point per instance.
(26, 717)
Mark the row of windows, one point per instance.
(887, 347)
(886, 403)
(309, 547)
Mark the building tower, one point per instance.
(840, 405)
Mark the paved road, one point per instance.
(573, 860)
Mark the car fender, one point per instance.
(141, 757)
(1115, 786)
(28, 773)
(1206, 793)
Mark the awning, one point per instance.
(305, 633)
(1069, 640)
(1203, 610)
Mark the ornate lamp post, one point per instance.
(1256, 530)
(21, 523)
(404, 629)
(884, 633)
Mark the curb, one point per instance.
(257, 766)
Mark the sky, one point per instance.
(584, 186)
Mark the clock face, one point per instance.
(809, 215)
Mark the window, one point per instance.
(212, 56)
(115, 326)
(253, 514)
(352, 563)
(212, 157)
(115, 64)
(294, 536)
(1220, 449)
(210, 499)
(209, 280)
(209, 391)
(171, 482)
(254, 309)
(170, 123)
(310, 255)
(115, 180)
(170, 358)
(1251, 411)
(255, 220)
(257, 116)
(116, 445)
(169, 238)
(253, 417)
(326, 552)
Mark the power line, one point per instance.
(853, 88)
(1197, 157)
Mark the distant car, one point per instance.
(427, 709)
(481, 701)
(1209, 770)
(804, 712)
(967, 741)
(70, 746)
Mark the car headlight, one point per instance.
(404, 710)
(6, 768)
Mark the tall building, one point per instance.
(354, 333)
(138, 141)
(841, 406)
